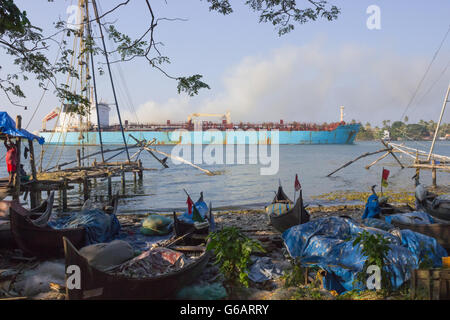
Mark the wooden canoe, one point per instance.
(96, 284)
(442, 211)
(43, 242)
(297, 215)
(440, 231)
(41, 214)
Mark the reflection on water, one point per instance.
(242, 184)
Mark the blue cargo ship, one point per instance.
(341, 134)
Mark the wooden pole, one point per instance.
(356, 159)
(122, 169)
(78, 158)
(376, 161)
(390, 151)
(17, 173)
(417, 169)
(433, 173)
(64, 195)
(141, 175)
(109, 186)
(145, 147)
(86, 188)
(32, 159)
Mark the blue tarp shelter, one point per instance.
(8, 126)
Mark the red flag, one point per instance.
(384, 178)
(190, 204)
(297, 185)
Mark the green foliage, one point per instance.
(376, 248)
(295, 276)
(281, 13)
(12, 19)
(403, 131)
(425, 260)
(232, 250)
(191, 84)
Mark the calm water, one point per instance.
(243, 185)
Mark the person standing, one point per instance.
(11, 159)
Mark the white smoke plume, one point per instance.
(308, 84)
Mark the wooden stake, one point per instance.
(64, 194)
(78, 158)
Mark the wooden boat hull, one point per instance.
(6, 236)
(441, 212)
(441, 232)
(41, 242)
(295, 216)
(96, 284)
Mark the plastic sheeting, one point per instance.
(8, 126)
(416, 217)
(202, 208)
(264, 269)
(372, 208)
(328, 244)
(100, 226)
(156, 224)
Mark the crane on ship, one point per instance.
(226, 116)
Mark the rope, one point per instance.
(426, 72)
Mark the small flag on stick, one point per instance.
(297, 185)
(190, 203)
(385, 177)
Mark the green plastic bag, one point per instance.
(156, 225)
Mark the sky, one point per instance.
(259, 76)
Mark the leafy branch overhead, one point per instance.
(29, 48)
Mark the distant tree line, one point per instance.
(398, 130)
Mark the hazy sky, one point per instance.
(257, 75)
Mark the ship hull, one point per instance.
(343, 134)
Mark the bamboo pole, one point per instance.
(378, 160)
(439, 123)
(146, 145)
(390, 151)
(356, 159)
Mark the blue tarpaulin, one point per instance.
(416, 217)
(328, 243)
(100, 226)
(8, 126)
